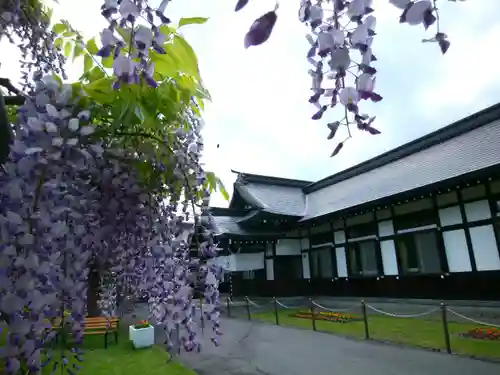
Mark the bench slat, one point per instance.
(100, 325)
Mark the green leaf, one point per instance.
(107, 62)
(59, 28)
(212, 181)
(165, 64)
(69, 34)
(184, 53)
(101, 90)
(192, 20)
(167, 30)
(58, 43)
(222, 189)
(91, 46)
(88, 63)
(67, 49)
(77, 50)
(95, 74)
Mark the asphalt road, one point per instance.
(252, 348)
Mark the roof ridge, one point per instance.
(464, 125)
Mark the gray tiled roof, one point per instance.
(229, 225)
(465, 153)
(226, 225)
(284, 200)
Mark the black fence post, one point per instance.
(248, 308)
(313, 315)
(365, 320)
(276, 311)
(228, 302)
(446, 331)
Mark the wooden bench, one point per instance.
(99, 325)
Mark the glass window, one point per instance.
(288, 267)
(321, 262)
(314, 259)
(418, 253)
(363, 258)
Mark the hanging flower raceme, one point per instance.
(26, 23)
(129, 42)
(45, 224)
(341, 37)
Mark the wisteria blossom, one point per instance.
(75, 203)
(341, 34)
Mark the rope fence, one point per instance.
(316, 308)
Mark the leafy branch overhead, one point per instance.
(342, 59)
(103, 173)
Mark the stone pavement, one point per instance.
(253, 348)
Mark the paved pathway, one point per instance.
(253, 348)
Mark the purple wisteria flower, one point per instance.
(74, 205)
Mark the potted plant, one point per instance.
(142, 334)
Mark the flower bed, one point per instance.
(486, 333)
(328, 316)
(142, 324)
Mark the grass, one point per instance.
(122, 359)
(427, 333)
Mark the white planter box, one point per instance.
(142, 337)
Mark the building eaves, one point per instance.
(465, 154)
(453, 130)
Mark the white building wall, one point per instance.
(457, 252)
(389, 259)
(269, 269)
(240, 262)
(485, 248)
(341, 261)
(288, 247)
(385, 228)
(450, 216)
(476, 211)
(306, 269)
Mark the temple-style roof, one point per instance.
(463, 148)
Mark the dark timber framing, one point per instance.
(274, 217)
(466, 231)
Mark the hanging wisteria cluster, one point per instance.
(341, 55)
(73, 200)
(26, 24)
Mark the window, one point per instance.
(288, 267)
(321, 262)
(363, 258)
(418, 253)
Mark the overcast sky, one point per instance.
(260, 115)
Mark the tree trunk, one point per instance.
(94, 284)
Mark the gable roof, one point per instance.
(467, 146)
(272, 194)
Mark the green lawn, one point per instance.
(122, 359)
(420, 332)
